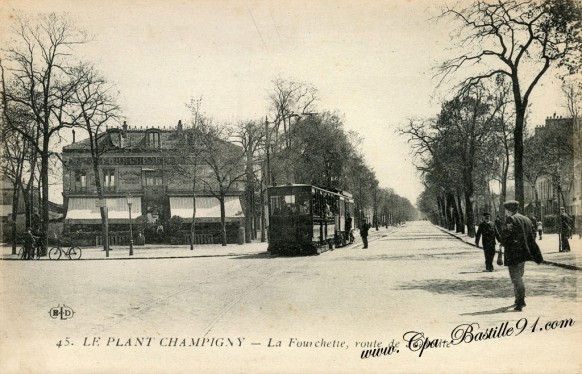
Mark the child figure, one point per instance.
(540, 229)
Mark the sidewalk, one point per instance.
(151, 251)
(548, 246)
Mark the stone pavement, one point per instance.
(549, 248)
(414, 278)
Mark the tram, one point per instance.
(305, 219)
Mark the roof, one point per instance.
(136, 139)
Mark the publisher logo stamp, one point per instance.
(61, 312)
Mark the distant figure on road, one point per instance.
(364, 233)
(520, 246)
(29, 244)
(540, 229)
(487, 230)
(349, 227)
(565, 230)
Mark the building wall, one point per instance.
(132, 166)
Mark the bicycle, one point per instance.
(24, 254)
(73, 252)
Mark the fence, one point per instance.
(200, 238)
(113, 240)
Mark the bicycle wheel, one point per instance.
(55, 253)
(21, 253)
(74, 253)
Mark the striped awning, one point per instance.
(207, 208)
(84, 210)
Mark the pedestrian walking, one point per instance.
(487, 230)
(29, 244)
(520, 246)
(349, 234)
(364, 233)
(534, 221)
(565, 230)
(540, 228)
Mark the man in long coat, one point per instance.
(487, 230)
(364, 233)
(519, 242)
(566, 224)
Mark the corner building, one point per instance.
(151, 169)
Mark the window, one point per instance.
(80, 180)
(109, 179)
(153, 178)
(154, 139)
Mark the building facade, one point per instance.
(152, 170)
(561, 183)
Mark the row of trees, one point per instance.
(509, 46)
(47, 89)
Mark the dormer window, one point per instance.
(154, 139)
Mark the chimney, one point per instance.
(180, 125)
(73, 135)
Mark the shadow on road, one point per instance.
(253, 256)
(563, 287)
(503, 309)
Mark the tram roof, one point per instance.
(301, 186)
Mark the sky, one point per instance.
(371, 61)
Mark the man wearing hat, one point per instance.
(519, 242)
(565, 230)
(487, 230)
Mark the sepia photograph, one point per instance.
(267, 186)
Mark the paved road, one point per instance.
(240, 307)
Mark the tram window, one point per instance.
(302, 203)
(288, 205)
(276, 205)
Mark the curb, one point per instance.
(143, 258)
(551, 263)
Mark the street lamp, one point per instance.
(129, 202)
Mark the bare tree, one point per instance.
(185, 161)
(225, 161)
(14, 152)
(250, 135)
(520, 39)
(289, 102)
(39, 63)
(93, 107)
(503, 131)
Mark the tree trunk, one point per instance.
(451, 210)
(263, 218)
(470, 219)
(503, 195)
(460, 214)
(518, 153)
(250, 195)
(14, 215)
(469, 214)
(45, 196)
(102, 210)
(223, 217)
(193, 224)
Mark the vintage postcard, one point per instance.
(197, 186)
